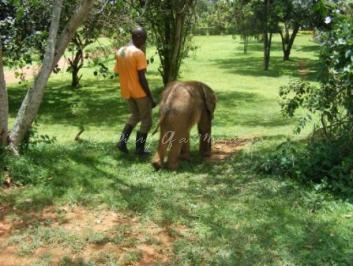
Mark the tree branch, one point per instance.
(67, 34)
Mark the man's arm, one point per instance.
(144, 84)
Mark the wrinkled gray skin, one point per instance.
(183, 105)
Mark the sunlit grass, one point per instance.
(231, 214)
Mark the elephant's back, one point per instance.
(182, 101)
(182, 96)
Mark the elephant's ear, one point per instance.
(210, 99)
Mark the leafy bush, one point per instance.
(33, 138)
(317, 161)
(328, 154)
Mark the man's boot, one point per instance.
(140, 144)
(124, 137)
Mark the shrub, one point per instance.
(328, 153)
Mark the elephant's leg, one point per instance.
(185, 149)
(174, 152)
(205, 145)
(159, 156)
(204, 128)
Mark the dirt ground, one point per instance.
(29, 72)
(223, 149)
(81, 222)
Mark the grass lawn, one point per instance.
(84, 203)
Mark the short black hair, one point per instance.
(139, 33)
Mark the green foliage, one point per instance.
(333, 100)
(214, 18)
(23, 28)
(33, 138)
(102, 21)
(171, 23)
(326, 163)
(328, 156)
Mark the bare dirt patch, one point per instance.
(28, 72)
(77, 234)
(223, 149)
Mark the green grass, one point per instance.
(222, 213)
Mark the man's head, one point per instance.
(139, 37)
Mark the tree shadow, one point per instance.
(229, 192)
(225, 194)
(87, 167)
(96, 104)
(309, 48)
(235, 101)
(298, 67)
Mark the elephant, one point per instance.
(182, 105)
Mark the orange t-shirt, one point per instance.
(130, 59)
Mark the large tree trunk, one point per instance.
(30, 105)
(176, 48)
(170, 22)
(33, 99)
(4, 105)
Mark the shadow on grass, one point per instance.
(305, 68)
(81, 172)
(97, 102)
(261, 111)
(315, 49)
(247, 219)
(235, 215)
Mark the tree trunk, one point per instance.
(176, 48)
(75, 78)
(30, 105)
(267, 36)
(287, 41)
(246, 43)
(165, 52)
(4, 104)
(170, 22)
(267, 50)
(76, 63)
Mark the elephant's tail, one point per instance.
(162, 117)
(156, 129)
(165, 106)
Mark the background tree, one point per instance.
(214, 17)
(257, 17)
(265, 11)
(296, 14)
(112, 20)
(171, 23)
(329, 154)
(54, 48)
(22, 33)
(219, 17)
(245, 22)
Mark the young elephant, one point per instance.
(184, 104)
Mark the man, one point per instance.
(131, 65)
